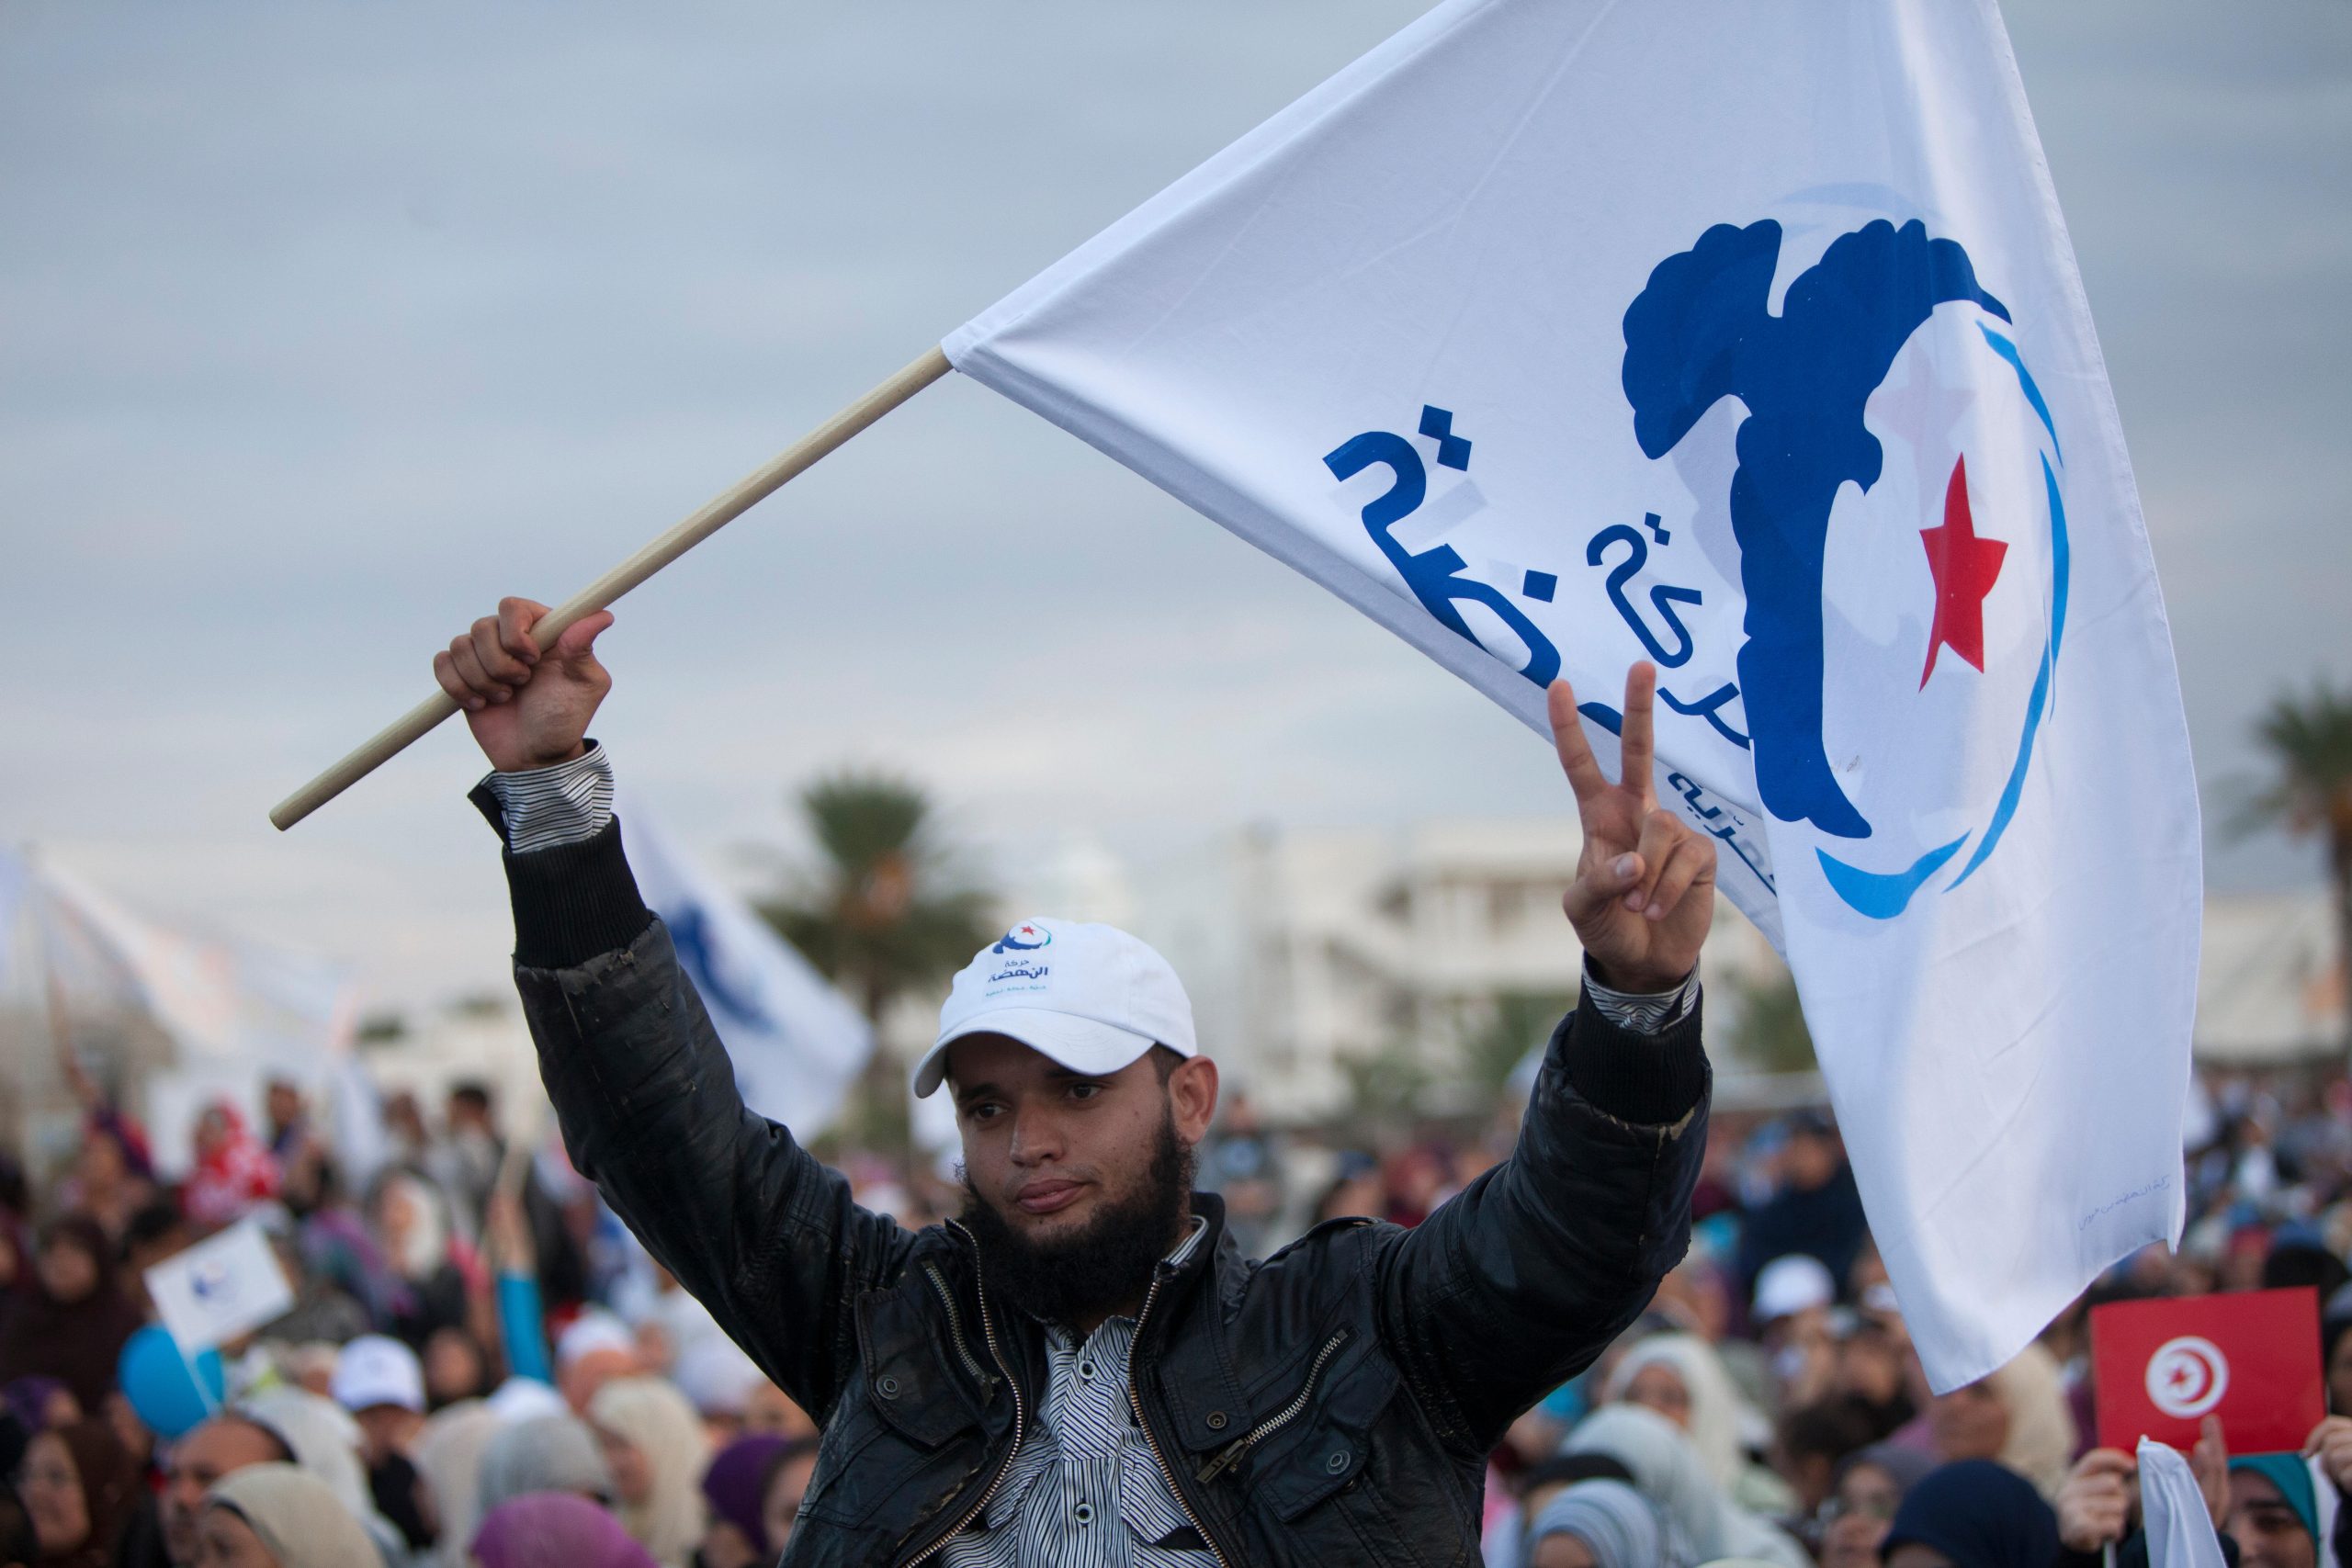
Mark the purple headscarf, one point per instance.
(556, 1529)
(735, 1480)
(28, 1399)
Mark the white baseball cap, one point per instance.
(1792, 1283)
(376, 1370)
(1091, 996)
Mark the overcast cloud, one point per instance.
(322, 325)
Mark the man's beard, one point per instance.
(1100, 1267)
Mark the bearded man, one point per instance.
(1083, 1370)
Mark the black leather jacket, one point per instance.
(1332, 1405)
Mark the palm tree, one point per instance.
(888, 910)
(2310, 741)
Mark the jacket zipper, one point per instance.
(1228, 1455)
(956, 1328)
(1135, 1402)
(1020, 1420)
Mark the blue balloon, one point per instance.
(171, 1393)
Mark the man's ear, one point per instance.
(1192, 1098)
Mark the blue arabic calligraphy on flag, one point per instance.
(1555, 334)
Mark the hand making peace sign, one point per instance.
(1645, 892)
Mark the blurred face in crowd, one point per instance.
(1866, 1502)
(1562, 1550)
(579, 1379)
(453, 1367)
(1911, 1555)
(1660, 1388)
(217, 1447)
(1077, 1184)
(781, 1508)
(1969, 1423)
(285, 1104)
(2270, 1533)
(100, 1164)
(227, 1541)
(2339, 1376)
(767, 1409)
(1809, 1161)
(51, 1489)
(68, 1271)
(211, 1132)
(1870, 1366)
(632, 1472)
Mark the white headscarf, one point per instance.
(1617, 1526)
(1669, 1473)
(297, 1517)
(654, 1419)
(323, 1438)
(2041, 1444)
(448, 1455)
(1715, 1405)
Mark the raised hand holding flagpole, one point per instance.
(547, 629)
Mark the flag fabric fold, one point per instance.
(1555, 335)
(796, 1043)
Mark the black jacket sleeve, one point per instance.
(1516, 1284)
(750, 1223)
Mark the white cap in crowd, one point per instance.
(374, 1369)
(1792, 1283)
(595, 1329)
(1091, 996)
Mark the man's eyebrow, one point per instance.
(964, 1095)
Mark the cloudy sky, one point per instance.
(322, 326)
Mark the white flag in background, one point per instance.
(797, 1044)
(1555, 334)
(230, 1006)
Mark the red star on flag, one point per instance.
(1965, 568)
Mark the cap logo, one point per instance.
(1023, 938)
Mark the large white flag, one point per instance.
(796, 1043)
(1555, 335)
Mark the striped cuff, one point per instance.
(1643, 1012)
(539, 808)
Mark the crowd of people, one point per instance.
(480, 1366)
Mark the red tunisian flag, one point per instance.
(2252, 1359)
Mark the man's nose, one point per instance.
(1036, 1137)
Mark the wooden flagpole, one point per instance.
(755, 487)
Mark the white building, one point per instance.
(1306, 950)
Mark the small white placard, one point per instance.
(225, 1285)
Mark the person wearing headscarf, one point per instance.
(233, 1170)
(114, 1177)
(1701, 1524)
(1869, 1487)
(1613, 1523)
(40, 1402)
(449, 1456)
(289, 1514)
(325, 1443)
(18, 1542)
(544, 1453)
(737, 1537)
(654, 1443)
(409, 1220)
(1975, 1513)
(82, 1489)
(1682, 1378)
(72, 1320)
(549, 1530)
(2276, 1511)
(2018, 1416)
